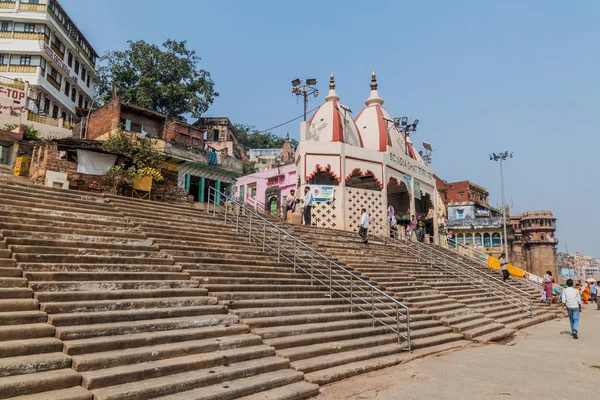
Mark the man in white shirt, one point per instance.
(308, 202)
(503, 267)
(363, 230)
(571, 299)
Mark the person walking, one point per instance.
(503, 267)
(548, 286)
(593, 291)
(363, 230)
(289, 204)
(571, 300)
(308, 202)
(413, 226)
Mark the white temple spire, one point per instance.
(374, 97)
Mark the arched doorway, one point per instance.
(398, 197)
(363, 180)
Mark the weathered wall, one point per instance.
(175, 129)
(104, 120)
(541, 257)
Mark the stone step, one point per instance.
(23, 237)
(294, 391)
(287, 383)
(61, 218)
(284, 331)
(122, 305)
(526, 321)
(495, 335)
(212, 288)
(462, 318)
(22, 385)
(90, 248)
(265, 312)
(8, 269)
(73, 393)
(290, 302)
(301, 319)
(79, 276)
(10, 305)
(347, 370)
(104, 317)
(472, 333)
(132, 327)
(134, 340)
(22, 317)
(31, 205)
(324, 337)
(20, 365)
(299, 294)
(89, 259)
(110, 285)
(112, 294)
(24, 347)
(68, 267)
(12, 282)
(198, 379)
(321, 349)
(297, 280)
(24, 332)
(472, 324)
(212, 274)
(113, 362)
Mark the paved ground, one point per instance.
(541, 362)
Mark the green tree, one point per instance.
(165, 79)
(139, 151)
(252, 138)
(29, 131)
(248, 168)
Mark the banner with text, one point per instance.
(322, 193)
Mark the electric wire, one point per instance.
(291, 120)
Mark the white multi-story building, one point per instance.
(41, 45)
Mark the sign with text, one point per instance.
(16, 95)
(11, 108)
(322, 193)
(56, 58)
(410, 166)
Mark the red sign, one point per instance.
(12, 93)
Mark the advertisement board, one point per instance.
(322, 193)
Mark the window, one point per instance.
(83, 74)
(25, 60)
(135, 127)
(486, 240)
(2, 59)
(80, 103)
(469, 238)
(460, 238)
(496, 240)
(54, 74)
(70, 60)
(460, 214)
(4, 26)
(67, 88)
(85, 104)
(215, 135)
(55, 111)
(453, 241)
(29, 28)
(478, 239)
(183, 138)
(88, 81)
(460, 194)
(196, 142)
(6, 154)
(73, 95)
(76, 67)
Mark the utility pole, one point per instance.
(305, 90)
(503, 157)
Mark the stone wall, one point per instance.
(104, 120)
(183, 133)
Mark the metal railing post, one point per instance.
(237, 221)
(250, 230)
(408, 331)
(264, 235)
(398, 322)
(294, 256)
(373, 305)
(351, 293)
(226, 209)
(330, 282)
(278, 246)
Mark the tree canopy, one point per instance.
(166, 79)
(251, 138)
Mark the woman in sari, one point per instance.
(585, 294)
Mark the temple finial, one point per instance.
(331, 82)
(373, 81)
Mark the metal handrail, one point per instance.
(537, 282)
(494, 285)
(363, 296)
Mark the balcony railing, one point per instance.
(5, 35)
(4, 81)
(33, 7)
(7, 5)
(23, 69)
(28, 35)
(53, 82)
(42, 119)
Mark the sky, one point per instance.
(481, 77)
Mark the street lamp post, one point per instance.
(502, 157)
(305, 90)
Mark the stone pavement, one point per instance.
(540, 362)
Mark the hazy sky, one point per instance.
(481, 76)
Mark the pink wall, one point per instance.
(286, 180)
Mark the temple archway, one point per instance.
(399, 198)
(363, 180)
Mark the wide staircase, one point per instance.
(92, 308)
(305, 322)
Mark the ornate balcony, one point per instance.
(28, 35)
(23, 69)
(32, 7)
(7, 5)
(42, 119)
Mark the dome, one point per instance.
(377, 128)
(332, 122)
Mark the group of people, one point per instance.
(290, 205)
(415, 228)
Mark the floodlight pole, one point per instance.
(305, 90)
(502, 157)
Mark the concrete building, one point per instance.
(42, 46)
(220, 134)
(264, 159)
(195, 163)
(268, 189)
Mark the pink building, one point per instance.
(267, 189)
